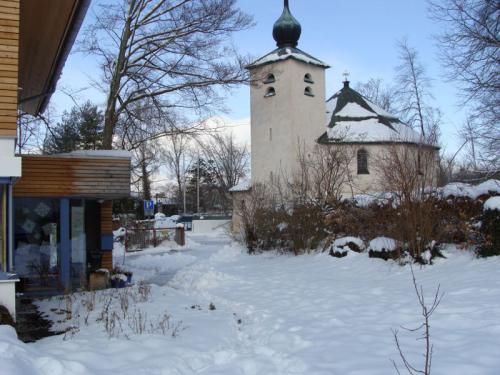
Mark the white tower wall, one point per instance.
(280, 123)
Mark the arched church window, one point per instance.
(308, 78)
(308, 91)
(270, 92)
(270, 78)
(363, 162)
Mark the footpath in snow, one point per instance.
(231, 313)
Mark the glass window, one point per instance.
(37, 243)
(270, 79)
(308, 78)
(308, 91)
(363, 162)
(270, 92)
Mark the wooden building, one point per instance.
(63, 217)
(55, 211)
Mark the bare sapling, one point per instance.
(424, 328)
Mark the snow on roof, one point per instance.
(371, 130)
(354, 110)
(285, 53)
(244, 185)
(353, 118)
(100, 153)
(492, 203)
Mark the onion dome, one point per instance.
(287, 30)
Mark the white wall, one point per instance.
(293, 117)
(208, 226)
(10, 166)
(8, 296)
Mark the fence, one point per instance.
(139, 238)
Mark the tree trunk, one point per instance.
(110, 116)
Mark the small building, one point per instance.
(62, 217)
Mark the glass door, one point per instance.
(78, 270)
(37, 250)
(3, 227)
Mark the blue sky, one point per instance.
(355, 35)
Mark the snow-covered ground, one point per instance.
(272, 314)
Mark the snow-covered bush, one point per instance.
(490, 228)
(341, 246)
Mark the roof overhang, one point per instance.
(48, 29)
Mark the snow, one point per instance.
(382, 244)
(278, 315)
(243, 185)
(341, 242)
(354, 110)
(492, 203)
(287, 53)
(371, 130)
(460, 189)
(380, 111)
(119, 233)
(100, 153)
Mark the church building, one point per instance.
(289, 113)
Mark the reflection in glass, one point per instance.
(78, 245)
(37, 243)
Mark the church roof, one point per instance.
(286, 33)
(352, 118)
(284, 53)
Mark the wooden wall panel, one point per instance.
(68, 176)
(9, 66)
(107, 217)
(107, 260)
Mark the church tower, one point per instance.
(287, 102)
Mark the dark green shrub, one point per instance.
(490, 229)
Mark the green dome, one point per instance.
(287, 30)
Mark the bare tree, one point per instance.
(426, 311)
(30, 133)
(176, 154)
(228, 160)
(413, 93)
(378, 93)
(172, 53)
(408, 171)
(470, 51)
(323, 174)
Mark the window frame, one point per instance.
(270, 92)
(308, 91)
(271, 78)
(362, 162)
(308, 78)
